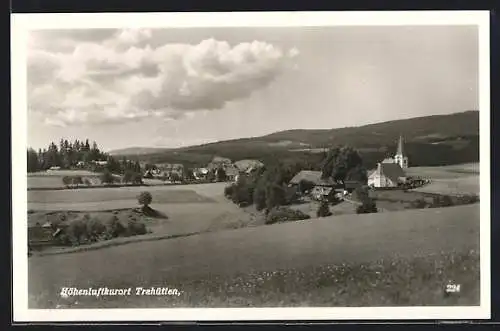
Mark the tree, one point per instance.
(137, 178)
(368, 206)
(259, 197)
(107, 177)
(189, 174)
(221, 175)
(211, 175)
(305, 185)
(128, 176)
(358, 173)
(77, 180)
(343, 163)
(145, 199)
(323, 210)
(67, 181)
(175, 177)
(275, 195)
(33, 164)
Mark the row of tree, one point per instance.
(65, 155)
(78, 154)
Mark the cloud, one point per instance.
(124, 78)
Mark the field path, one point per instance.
(332, 240)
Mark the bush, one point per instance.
(67, 180)
(145, 199)
(467, 199)
(259, 198)
(275, 196)
(228, 191)
(367, 207)
(419, 204)
(323, 210)
(87, 182)
(95, 229)
(76, 232)
(135, 228)
(361, 194)
(442, 201)
(242, 194)
(107, 177)
(114, 228)
(77, 180)
(285, 214)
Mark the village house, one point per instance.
(390, 172)
(232, 173)
(219, 162)
(248, 166)
(323, 188)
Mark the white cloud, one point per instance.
(124, 78)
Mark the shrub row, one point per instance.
(444, 201)
(88, 230)
(285, 214)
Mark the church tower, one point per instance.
(400, 158)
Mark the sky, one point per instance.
(177, 87)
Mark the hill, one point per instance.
(137, 151)
(429, 141)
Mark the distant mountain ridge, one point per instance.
(447, 139)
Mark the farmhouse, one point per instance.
(248, 166)
(323, 188)
(231, 173)
(218, 162)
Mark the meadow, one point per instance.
(188, 209)
(400, 245)
(449, 180)
(220, 255)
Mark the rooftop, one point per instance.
(312, 176)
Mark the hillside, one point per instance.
(429, 141)
(137, 151)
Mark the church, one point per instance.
(391, 171)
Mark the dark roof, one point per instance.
(351, 184)
(312, 176)
(393, 171)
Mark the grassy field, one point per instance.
(189, 208)
(110, 194)
(449, 180)
(53, 179)
(415, 251)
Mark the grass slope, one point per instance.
(352, 239)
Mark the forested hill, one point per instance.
(429, 141)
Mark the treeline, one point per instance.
(65, 155)
(78, 154)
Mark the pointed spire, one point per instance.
(400, 146)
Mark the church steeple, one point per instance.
(400, 158)
(400, 146)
